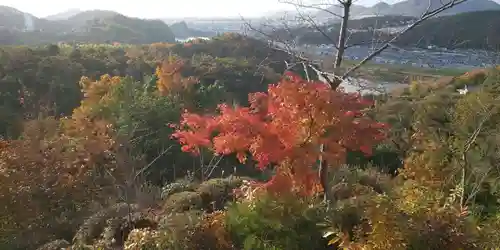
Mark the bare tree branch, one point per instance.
(334, 81)
(317, 28)
(428, 14)
(152, 162)
(342, 36)
(329, 78)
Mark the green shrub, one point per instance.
(377, 222)
(217, 192)
(176, 187)
(178, 227)
(55, 245)
(147, 239)
(94, 226)
(118, 229)
(347, 182)
(441, 231)
(275, 223)
(210, 234)
(183, 201)
(180, 221)
(489, 236)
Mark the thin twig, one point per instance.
(425, 16)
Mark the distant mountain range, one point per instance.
(100, 26)
(64, 15)
(475, 30)
(182, 31)
(93, 26)
(11, 18)
(97, 26)
(412, 8)
(470, 30)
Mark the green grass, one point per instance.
(399, 73)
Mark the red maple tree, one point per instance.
(285, 127)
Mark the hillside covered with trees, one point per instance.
(182, 31)
(216, 145)
(412, 8)
(453, 31)
(458, 31)
(18, 28)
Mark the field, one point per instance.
(399, 73)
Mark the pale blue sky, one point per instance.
(158, 8)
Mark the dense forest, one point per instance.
(459, 31)
(216, 145)
(456, 31)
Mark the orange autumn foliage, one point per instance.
(95, 92)
(170, 78)
(50, 178)
(286, 126)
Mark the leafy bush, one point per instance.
(118, 229)
(183, 201)
(51, 178)
(489, 237)
(216, 192)
(55, 245)
(270, 222)
(178, 227)
(347, 182)
(147, 239)
(377, 222)
(210, 234)
(94, 226)
(176, 187)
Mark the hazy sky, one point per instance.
(157, 8)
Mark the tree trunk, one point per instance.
(323, 164)
(343, 34)
(323, 175)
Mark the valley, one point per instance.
(302, 132)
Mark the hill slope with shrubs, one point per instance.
(213, 145)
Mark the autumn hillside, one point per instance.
(215, 145)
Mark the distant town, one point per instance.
(432, 57)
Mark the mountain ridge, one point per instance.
(413, 8)
(449, 31)
(64, 15)
(95, 26)
(183, 31)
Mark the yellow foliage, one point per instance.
(98, 89)
(82, 123)
(170, 79)
(211, 233)
(95, 92)
(383, 218)
(412, 197)
(50, 178)
(474, 107)
(161, 45)
(145, 238)
(430, 168)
